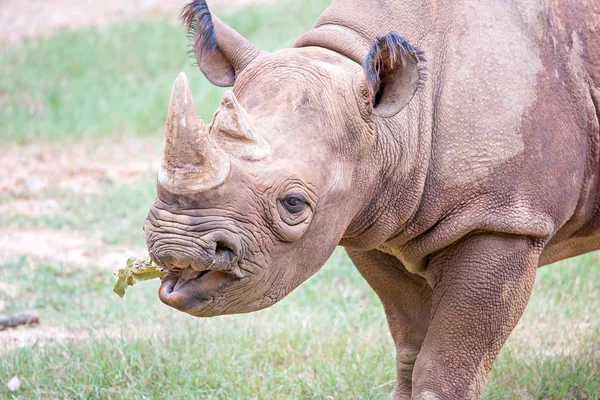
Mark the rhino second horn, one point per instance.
(235, 132)
(191, 161)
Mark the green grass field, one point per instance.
(328, 339)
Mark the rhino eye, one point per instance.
(294, 203)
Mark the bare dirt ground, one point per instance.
(22, 19)
(44, 334)
(81, 168)
(63, 246)
(36, 171)
(38, 335)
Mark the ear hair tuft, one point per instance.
(201, 33)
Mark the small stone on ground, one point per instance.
(14, 384)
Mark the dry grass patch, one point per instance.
(82, 168)
(55, 247)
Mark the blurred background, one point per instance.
(84, 88)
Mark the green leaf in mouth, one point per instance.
(138, 270)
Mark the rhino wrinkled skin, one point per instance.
(451, 147)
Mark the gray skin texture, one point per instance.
(446, 201)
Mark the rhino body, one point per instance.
(450, 147)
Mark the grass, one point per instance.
(328, 339)
(117, 81)
(116, 213)
(292, 350)
(549, 355)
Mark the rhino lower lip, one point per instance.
(190, 288)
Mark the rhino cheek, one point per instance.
(292, 233)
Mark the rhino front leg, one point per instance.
(406, 300)
(481, 286)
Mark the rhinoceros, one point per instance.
(451, 148)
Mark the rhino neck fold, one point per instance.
(397, 171)
(348, 27)
(338, 38)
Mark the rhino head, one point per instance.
(253, 204)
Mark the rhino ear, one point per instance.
(220, 51)
(394, 70)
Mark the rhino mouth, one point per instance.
(190, 290)
(192, 286)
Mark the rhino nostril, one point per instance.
(222, 249)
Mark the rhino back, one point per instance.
(515, 144)
(508, 111)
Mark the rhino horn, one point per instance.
(235, 132)
(191, 161)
